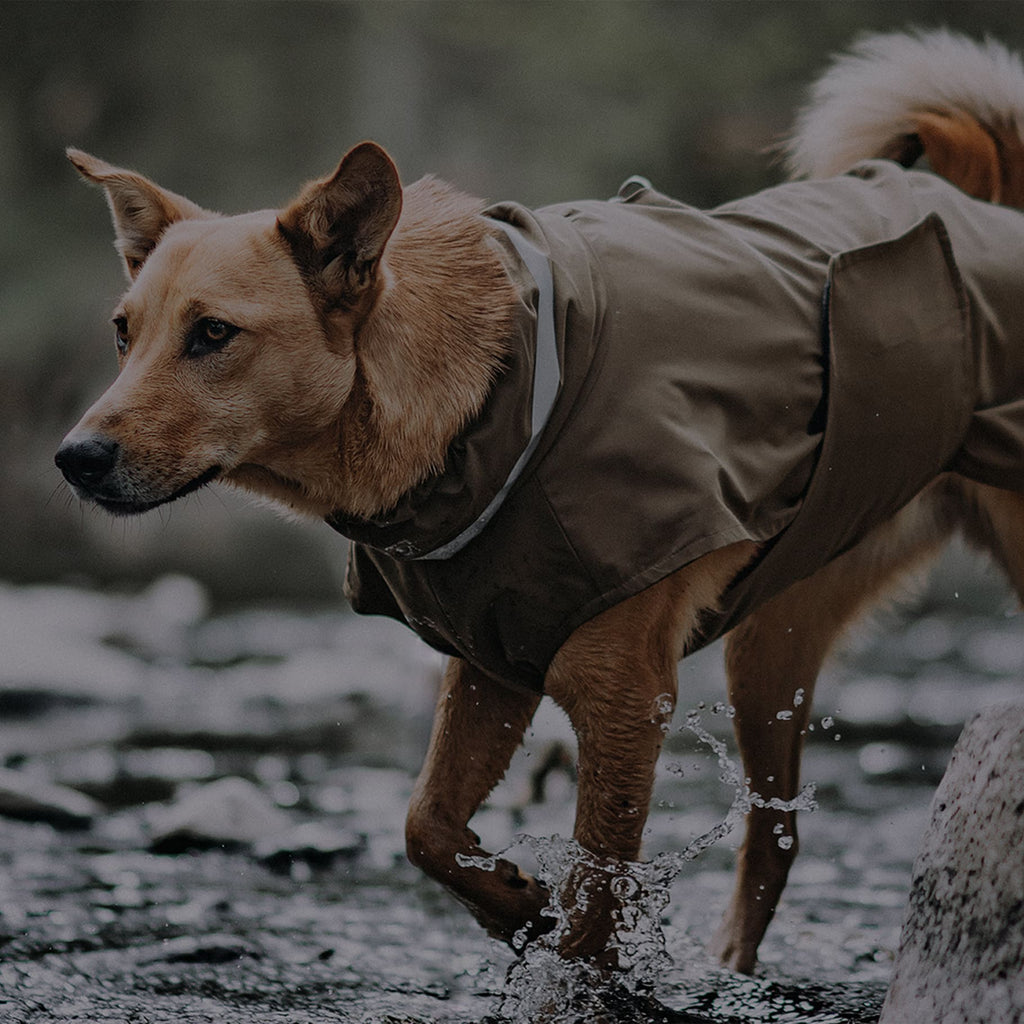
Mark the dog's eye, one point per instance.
(208, 335)
(121, 334)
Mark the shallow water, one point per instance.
(138, 701)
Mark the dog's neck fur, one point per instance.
(428, 351)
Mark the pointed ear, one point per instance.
(338, 227)
(141, 210)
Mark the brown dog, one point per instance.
(571, 445)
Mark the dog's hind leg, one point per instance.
(616, 679)
(772, 661)
(478, 724)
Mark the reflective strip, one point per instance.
(546, 382)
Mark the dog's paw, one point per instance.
(735, 953)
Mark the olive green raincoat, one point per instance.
(790, 369)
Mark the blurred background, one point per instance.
(143, 660)
(236, 104)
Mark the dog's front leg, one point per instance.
(619, 710)
(616, 679)
(477, 726)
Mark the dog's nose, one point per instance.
(87, 462)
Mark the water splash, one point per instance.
(542, 985)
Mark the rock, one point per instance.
(963, 938)
(51, 640)
(313, 843)
(156, 624)
(27, 798)
(203, 949)
(230, 812)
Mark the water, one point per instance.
(138, 700)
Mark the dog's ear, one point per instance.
(141, 211)
(338, 227)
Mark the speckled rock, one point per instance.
(963, 938)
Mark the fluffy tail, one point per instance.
(958, 103)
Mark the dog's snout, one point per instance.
(87, 462)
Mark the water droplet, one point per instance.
(827, 722)
(798, 698)
(623, 887)
(662, 710)
(783, 716)
(785, 842)
(483, 863)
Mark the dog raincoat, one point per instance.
(790, 369)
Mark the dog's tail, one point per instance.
(937, 95)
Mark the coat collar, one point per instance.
(439, 516)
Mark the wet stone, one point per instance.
(28, 798)
(963, 938)
(205, 949)
(313, 844)
(228, 812)
(33, 702)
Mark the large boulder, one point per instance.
(961, 955)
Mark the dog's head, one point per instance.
(235, 338)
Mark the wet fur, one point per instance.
(365, 349)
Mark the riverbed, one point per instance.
(237, 852)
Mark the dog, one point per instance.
(568, 446)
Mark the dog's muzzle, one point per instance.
(95, 466)
(88, 464)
